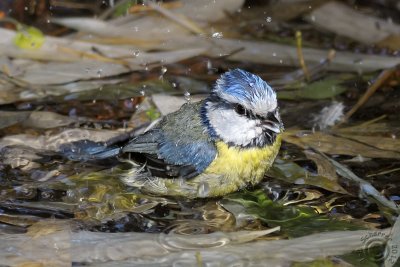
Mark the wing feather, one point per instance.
(178, 147)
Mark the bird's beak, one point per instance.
(273, 124)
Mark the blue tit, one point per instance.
(212, 147)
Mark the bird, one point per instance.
(209, 148)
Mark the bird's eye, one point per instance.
(240, 109)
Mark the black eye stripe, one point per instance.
(241, 110)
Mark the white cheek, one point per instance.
(232, 127)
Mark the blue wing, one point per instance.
(178, 147)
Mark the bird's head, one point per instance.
(242, 110)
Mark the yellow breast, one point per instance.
(241, 166)
(232, 169)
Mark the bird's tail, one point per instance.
(86, 150)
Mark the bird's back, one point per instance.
(178, 147)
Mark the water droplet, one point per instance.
(72, 112)
(142, 92)
(209, 65)
(128, 104)
(217, 35)
(162, 72)
(46, 194)
(97, 126)
(99, 73)
(187, 96)
(203, 190)
(136, 53)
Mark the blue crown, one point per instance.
(247, 89)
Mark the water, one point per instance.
(60, 204)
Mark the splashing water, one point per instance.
(187, 96)
(217, 35)
(136, 53)
(99, 73)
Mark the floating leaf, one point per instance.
(294, 221)
(367, 129)
(18, 220)
(34, 119)
(291, 172)
(8, 118)
(123, 8)
(366, 189)
(336, 145)
(352, 23)
(365, 258)
(322, 89)
(92, 68)
(324, 166)
(29, 38)
(384, 143)
(391, 42)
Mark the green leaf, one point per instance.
(366, 258)
(293, 173)
(317, 263)
(153, 113)
(322, 89)
(295, 221)
(122, 9)
(29, 38)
